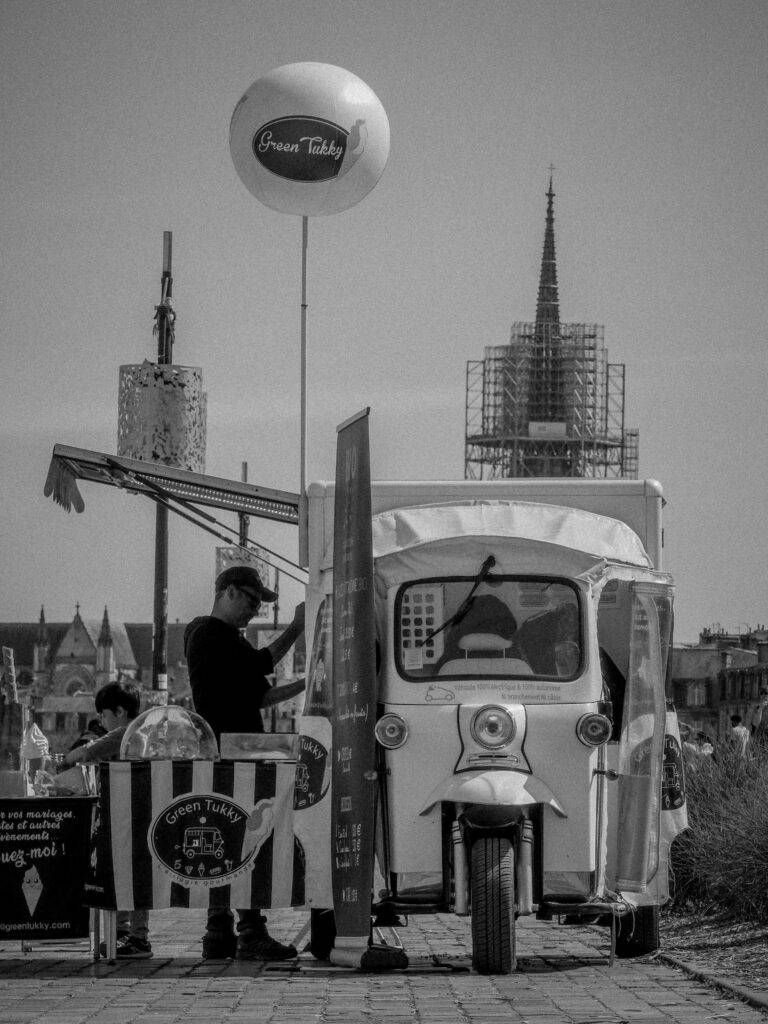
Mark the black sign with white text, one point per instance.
(354, 685)
(44, 859)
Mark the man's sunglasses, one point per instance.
(254, 599)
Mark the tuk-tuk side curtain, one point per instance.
(661, 596)
(642, 738)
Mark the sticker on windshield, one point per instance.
(413, 659)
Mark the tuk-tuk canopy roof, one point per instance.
(402, 529)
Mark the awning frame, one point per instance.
(178, 490)
(139, 476)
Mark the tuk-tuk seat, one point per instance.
(484, 642)
(487, 664)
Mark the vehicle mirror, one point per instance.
(605, 707)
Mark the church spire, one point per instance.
(42, 629)
(105, 636)
(547, 303)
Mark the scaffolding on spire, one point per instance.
(548, 404)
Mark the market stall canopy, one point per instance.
(163, 483)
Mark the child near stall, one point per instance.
(117, 704)
(94, 730)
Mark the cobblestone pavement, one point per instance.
(563, 976)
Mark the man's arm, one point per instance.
(103, 749)
(280, 693)
(280, 647)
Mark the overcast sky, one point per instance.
(115, 120)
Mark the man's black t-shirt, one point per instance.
(227, 675)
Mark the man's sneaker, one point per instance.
(131, 948)
(103, 946)
(264, 948)
(219, 947)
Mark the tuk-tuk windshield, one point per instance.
(506, 626)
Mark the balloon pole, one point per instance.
(303, 516)
(164, 328)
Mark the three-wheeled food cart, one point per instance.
(521, 644)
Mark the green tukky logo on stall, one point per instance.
(204, 840)
(313, 773)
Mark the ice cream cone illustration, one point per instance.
(259, 825)
(32, 888)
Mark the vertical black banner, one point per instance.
(354, 688)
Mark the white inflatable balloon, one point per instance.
(310, 139)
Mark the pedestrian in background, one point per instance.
(759, 721)
(739, 734)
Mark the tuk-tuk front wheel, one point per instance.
(492, 892)
(638, 934)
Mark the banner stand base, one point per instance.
(354, 951)
(348, 950)
(384, 958)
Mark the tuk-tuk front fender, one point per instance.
(497, 787)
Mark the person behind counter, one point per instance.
(117, 704)
(229, 685)
(94, 730)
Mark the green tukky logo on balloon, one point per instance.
(305, 148)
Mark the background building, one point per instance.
(720, 676)
(61, 665)
(548, 403)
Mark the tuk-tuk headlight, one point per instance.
(391, 731)
(492, 726)
(593, 730)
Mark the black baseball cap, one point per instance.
(244, 576)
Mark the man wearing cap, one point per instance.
(229, 687)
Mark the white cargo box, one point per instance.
(638, 503)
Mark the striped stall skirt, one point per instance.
(197, 834)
